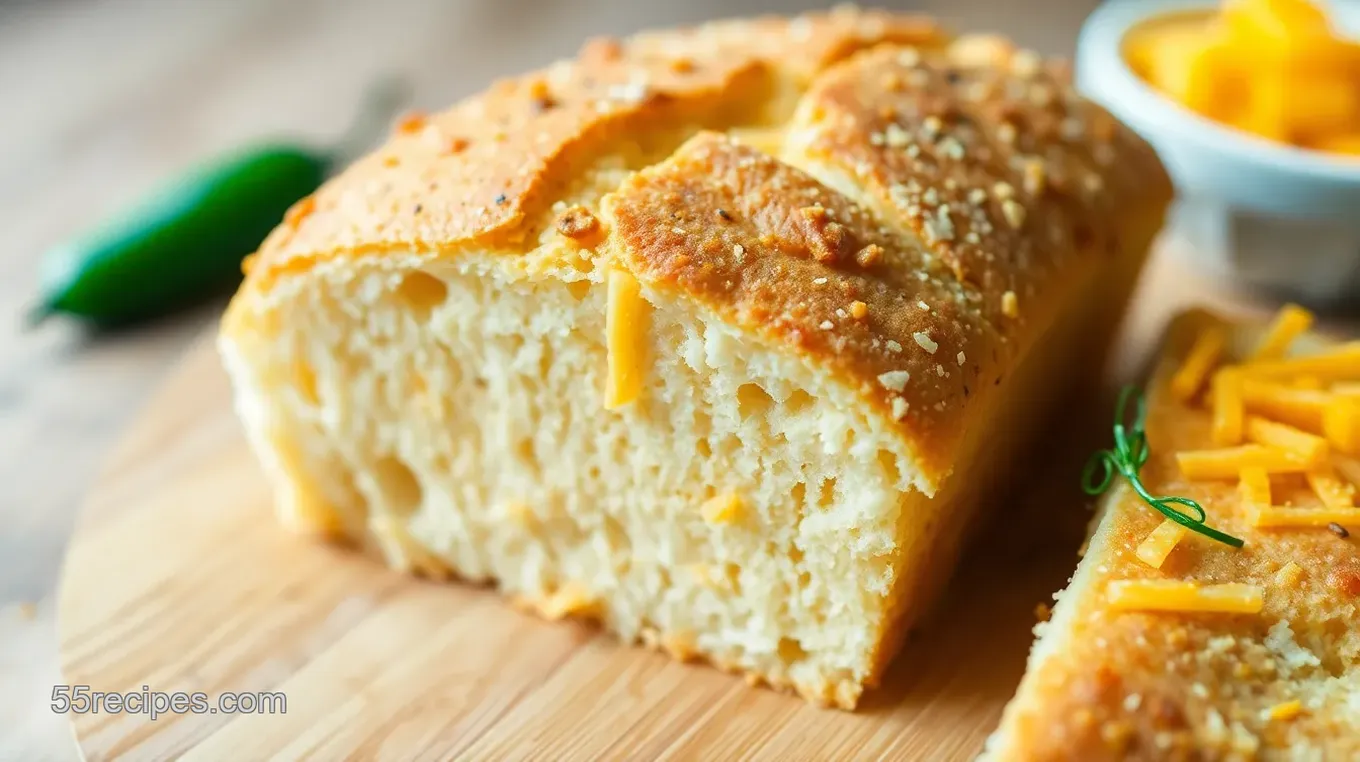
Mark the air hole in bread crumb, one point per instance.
(791, 651)
(399, 485)
(578, 289)
(888, 462)
(799, 401)
(703, 423)
(799, 494)
(827, 495)
(753, 400)
(422, 292)
(703, 427)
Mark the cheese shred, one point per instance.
(1341, 363)
(1204, 354)
(1254, 486)
(626, 319)
(1299, 444)
(1289, 323)
(1179, 595)
(723, 509)
(1303, 408)
(1228, 462)
(1341, 424)
(1285, 711)
(1348, 468)
(1275, 517)
(1159, 543)
(1330, 489)
(1229, 408)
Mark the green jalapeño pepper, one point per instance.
(182, 244)
(186, 242)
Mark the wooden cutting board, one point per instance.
(179, 579)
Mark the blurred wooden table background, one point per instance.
(101, 99)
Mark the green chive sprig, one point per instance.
(1127, 457)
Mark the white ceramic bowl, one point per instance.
(1266, 214)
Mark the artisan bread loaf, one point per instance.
(717, 336)
(1188, 648)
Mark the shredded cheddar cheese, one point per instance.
(568, 599)
(1299, 444)
(1179, 595)
(1341, 424)
(1159, 543)
(1254, 486)
(1341, 363)
(626, 332)
(1228, 462)
(1299, 407)
(1346, 389)
(723, 509)
(1275, 516)
(1348, 468)
(1285, 711)
(1330, 489)
(1289, 575)
(1290, 323)
(1229, 408)
(1204, 354)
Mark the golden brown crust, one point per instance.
(779, 254)
(1200, 686)
(988, 192)
(960, 226)
(1001, 169)
(477, 173)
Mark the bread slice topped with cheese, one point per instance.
(716, 335)
(1171, 643)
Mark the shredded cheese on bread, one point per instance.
(1291, 322)
(1330, 489)
(1299, 444)
(1154, 549)
(1275, 516)
(1229, 408)
(723, 509)
(1347, 467)
(1255, 486)
(626, 329)
(1341, 424)
(1339, 364)
(1228, 462)
(1208, 347)
(1178, 595)
(1298, 407)
(1208, 657)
